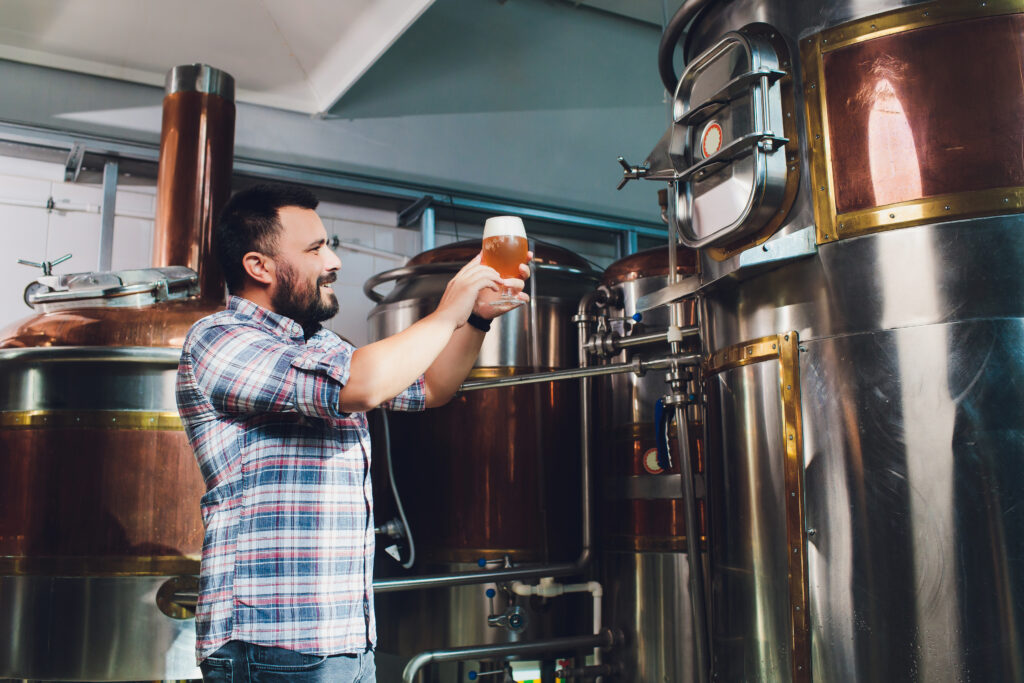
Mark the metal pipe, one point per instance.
(107, 215)
(604, 639)
(619, 343)
(693, 551)
(637, 366)
(485, 576)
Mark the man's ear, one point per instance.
(259, 267)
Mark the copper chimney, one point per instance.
(194, 179)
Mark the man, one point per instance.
(274, 408)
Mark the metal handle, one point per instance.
(47, 266)
(765, 140)
(727, 93)
(630, 173)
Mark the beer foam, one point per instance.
(504, 225)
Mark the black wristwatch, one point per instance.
(479, 323)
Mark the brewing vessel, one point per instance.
(100, 531)
(859, 295)
(492, 477)
(641, 516)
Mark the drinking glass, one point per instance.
(504, 249)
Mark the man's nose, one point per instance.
(331, 262)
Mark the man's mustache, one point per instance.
(327, 279)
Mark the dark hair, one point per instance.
(250, 222)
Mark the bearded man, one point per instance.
(274, 408)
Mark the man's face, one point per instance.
(304, 267)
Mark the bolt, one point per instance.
(947, 207)
(892, 215)
(795, 550)
(873, 27)
(811, 532)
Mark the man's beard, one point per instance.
(302, 301)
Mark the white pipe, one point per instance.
(549, 588)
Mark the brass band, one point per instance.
(107, 566)
(831, 225)
(91, 419)
(786, 349)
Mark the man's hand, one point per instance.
(483, 307)
(463, 291)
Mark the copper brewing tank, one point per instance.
(640, 509)
(100, 524)
(498, 453)
(493, 474)
(626, 407)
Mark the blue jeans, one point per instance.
(239, 662)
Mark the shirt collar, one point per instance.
(274, 323)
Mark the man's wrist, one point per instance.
(480, 323)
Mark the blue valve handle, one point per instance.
(661, 420)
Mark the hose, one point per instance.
(676, 25)
(394, 490)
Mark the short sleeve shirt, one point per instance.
(288, 548)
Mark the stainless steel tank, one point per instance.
(100, 531)
(641, 516)
(493, 476)
(863, 335)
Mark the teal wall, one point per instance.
(526, 100)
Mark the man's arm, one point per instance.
(453, 365)
(382, 370)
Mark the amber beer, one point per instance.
(504, 249)
(505, 245)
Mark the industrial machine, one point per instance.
(860, 261)
(484, 481)
(834, 333)
(100, 532)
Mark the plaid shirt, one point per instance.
(288, 551)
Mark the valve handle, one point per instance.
(661, 418)
(47, 266)
(630, 173)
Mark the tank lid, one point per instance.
(544, 253)
(118, 288)
(649, 263)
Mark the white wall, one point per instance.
(28, 230)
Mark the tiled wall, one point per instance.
(29, 230)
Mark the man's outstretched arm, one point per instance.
(382, 370)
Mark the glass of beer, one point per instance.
(504, 249)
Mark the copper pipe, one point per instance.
(194, 177)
